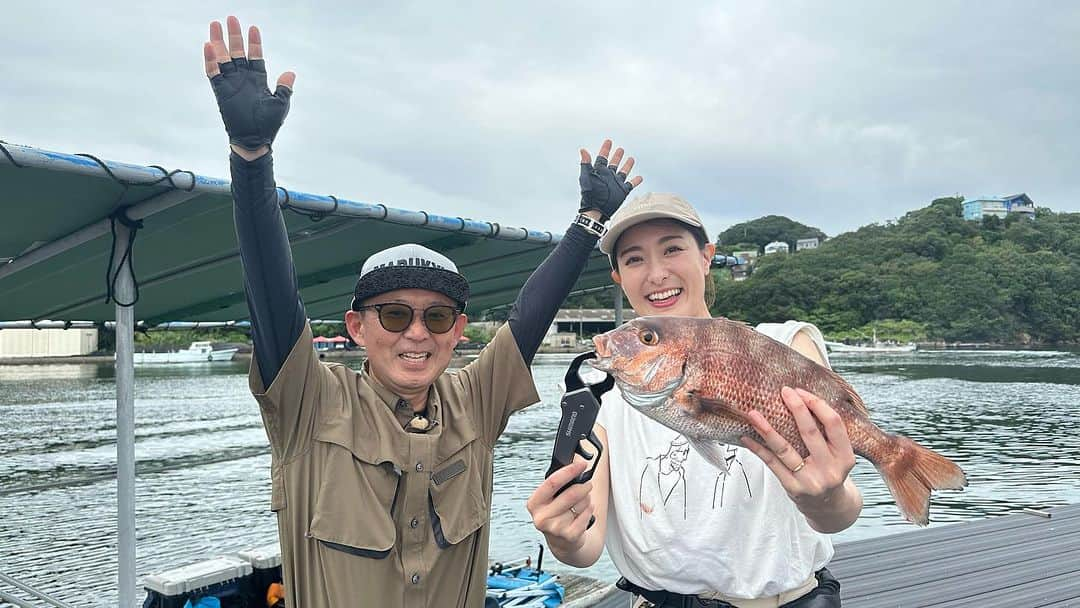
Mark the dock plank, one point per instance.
(612, 599)
(583, 591)
(953, 532)
(1063, 589)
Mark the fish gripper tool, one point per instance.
(580, 406)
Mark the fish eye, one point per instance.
(649, 337)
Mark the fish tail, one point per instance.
(912, 471)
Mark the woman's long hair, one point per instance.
(710, 283)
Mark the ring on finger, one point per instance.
(572, 510)
(802, 463)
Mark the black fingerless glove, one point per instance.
(602, 188)
(251, 113)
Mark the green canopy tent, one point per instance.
(75, 226)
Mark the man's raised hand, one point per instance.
(252, 114)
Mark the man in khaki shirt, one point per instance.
(382, 478)
(366, 506)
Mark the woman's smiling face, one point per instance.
(662, 270)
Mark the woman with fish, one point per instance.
(724, 492)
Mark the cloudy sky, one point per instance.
(836, 114)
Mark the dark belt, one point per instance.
(825, 595)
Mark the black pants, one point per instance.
(825, 595)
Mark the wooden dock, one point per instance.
(585, 592)
(1015, 560)
(1011, 561)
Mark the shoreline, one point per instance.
(459, 358)
(463, 356)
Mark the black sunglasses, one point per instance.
(397, 317)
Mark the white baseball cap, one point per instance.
(410, 266)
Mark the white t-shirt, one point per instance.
(676, 523)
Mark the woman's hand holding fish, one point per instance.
(564, 518)
(818, 484)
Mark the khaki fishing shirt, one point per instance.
(369, 514)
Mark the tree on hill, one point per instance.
(765, 230)
(956, 280)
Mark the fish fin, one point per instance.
(711, 452)
(735, 322)
(721, 409)
(912, 471)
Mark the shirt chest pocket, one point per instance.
(355, 504)
(457, 496)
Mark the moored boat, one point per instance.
(198, 352)
(877, 347)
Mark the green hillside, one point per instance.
(929, 275)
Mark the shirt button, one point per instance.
(419, 467)
(415, 579)
(415, 522)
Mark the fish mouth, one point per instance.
(600, 347)
(601, 363)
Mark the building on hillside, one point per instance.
(1001, 206)
(807, 244)
(47, 342)
(777, 247)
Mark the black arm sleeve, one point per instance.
(547, 287)
(273, 295)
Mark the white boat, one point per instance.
(879, 347)
(198, 352)
(875, 346)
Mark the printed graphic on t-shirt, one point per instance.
(731, 455)
(663, 479)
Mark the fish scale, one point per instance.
(702, 377)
